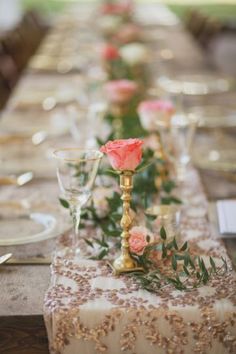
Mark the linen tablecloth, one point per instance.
(88, 310)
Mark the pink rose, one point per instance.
(124, 154)
(109, 52)
(123, 8)
(138, 239)
(155, 112)
(120, 91)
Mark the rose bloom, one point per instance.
(124, 154)
(138, 239)
(155, 112)
(134, 54)
(109, 52)
(122, 8)
(120, 91)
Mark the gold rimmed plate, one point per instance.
(19, 224)
(195, 84)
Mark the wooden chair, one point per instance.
(202, 27)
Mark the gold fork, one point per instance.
(16, 180)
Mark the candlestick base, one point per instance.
(118, 268)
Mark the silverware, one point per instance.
(5, 258)
(37, 138)
(17, 180)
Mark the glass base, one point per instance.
(68, 252)
(181, 173)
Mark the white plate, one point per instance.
(195, 84)
(20, 226)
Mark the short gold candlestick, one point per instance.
(125, 263)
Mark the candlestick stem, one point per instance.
(125, 263)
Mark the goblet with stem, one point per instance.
(176, 138)
(84, 130)
(76, 172)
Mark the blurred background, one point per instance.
(221, 9)
(24, 23)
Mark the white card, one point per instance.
(226, 210)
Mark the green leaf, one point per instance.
(102, 242)
(186, 260)
(144, 165)
(89, 243)
(174, 263)
(165, 201)
(186, 270)
(175, 244)
(199, 262)
(102, 254)
(184, 247)
(164, 251)
(99, 141)
(64, 203)
(172, 281)
(115, 217)
(112, 172)
(213, 264)
(163, 233)
(191, 262)
(175, 200)
(151, 217)
(168, 186)
(113, 233)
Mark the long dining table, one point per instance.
(23, 286)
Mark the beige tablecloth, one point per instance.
(88, 310)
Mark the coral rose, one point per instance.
(122, 8)
(109, 52)
(138, 239)
(124, 154)
(120, 91)
(155, 112)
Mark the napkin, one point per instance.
(226, 210)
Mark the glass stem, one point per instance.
(76, 214)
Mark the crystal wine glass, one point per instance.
(177, 136)
(86, 121)
(76, 172)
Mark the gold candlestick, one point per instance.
(163, 169)
(125, 263)
(118, 111)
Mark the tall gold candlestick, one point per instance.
(125, 263)
(163, 169)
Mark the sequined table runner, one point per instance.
(88, 310)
